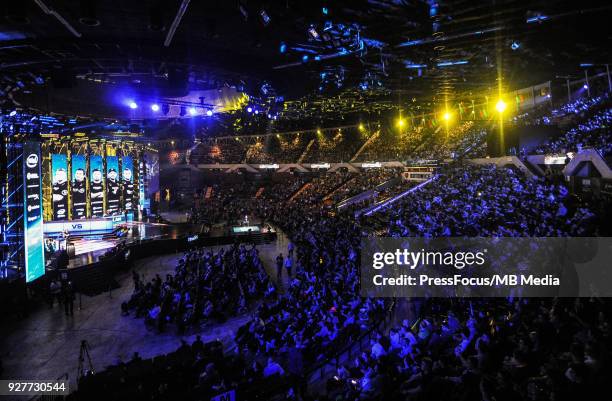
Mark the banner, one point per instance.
(32, 212)
(59, 181)
(78, 187)
(127, 182)
(96, 186)
(152, 173)
(112, 185)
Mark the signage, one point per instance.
(32, 212)
(319, 165)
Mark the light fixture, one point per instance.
(447, 116)
(209, 112)
(500, 106)
(400, 122)
(193, 111)
(133, 105)
(155, 107)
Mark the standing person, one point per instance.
(69, 299)
(279, 267)
(290, 248)
(54, 292)
(289, 265)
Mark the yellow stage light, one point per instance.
(447, 116)
(400, 123)
(361, 127)
(500, 106)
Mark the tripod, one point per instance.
(83, 369)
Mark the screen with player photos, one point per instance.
(59, 182)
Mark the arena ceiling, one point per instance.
(370, 51)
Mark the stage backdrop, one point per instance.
(32, 212)
(78, 187)
(96, 185)
(127, 181)
(59, 181)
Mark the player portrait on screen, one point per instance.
(60, 193)
(112, 188)
(97, 192)
(128, 188)
(79, 193)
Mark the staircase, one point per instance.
(365, 144)
(299, 191)
(303, 156)
(329, 195)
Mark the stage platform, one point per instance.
(89, 249)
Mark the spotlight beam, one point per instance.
(58, 16)
(177, 20)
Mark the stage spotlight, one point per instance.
(133, 105)
(585, 86)
(193, 111)
(500, 106)
(209, 112)
(447, 116)
(361, 127)
(155, 107)
(249, 109)
(400, 123)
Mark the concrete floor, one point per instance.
(46, 344)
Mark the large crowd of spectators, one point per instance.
(455, 349)
(206, 286)
(486, 349)
(487, 201)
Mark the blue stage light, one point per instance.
(250, 109)
(515, 45)
(155, 107)
(209, 113)
(585, 86)
(193, 111)
(325, 10)
(283, 47)
(133, 105)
